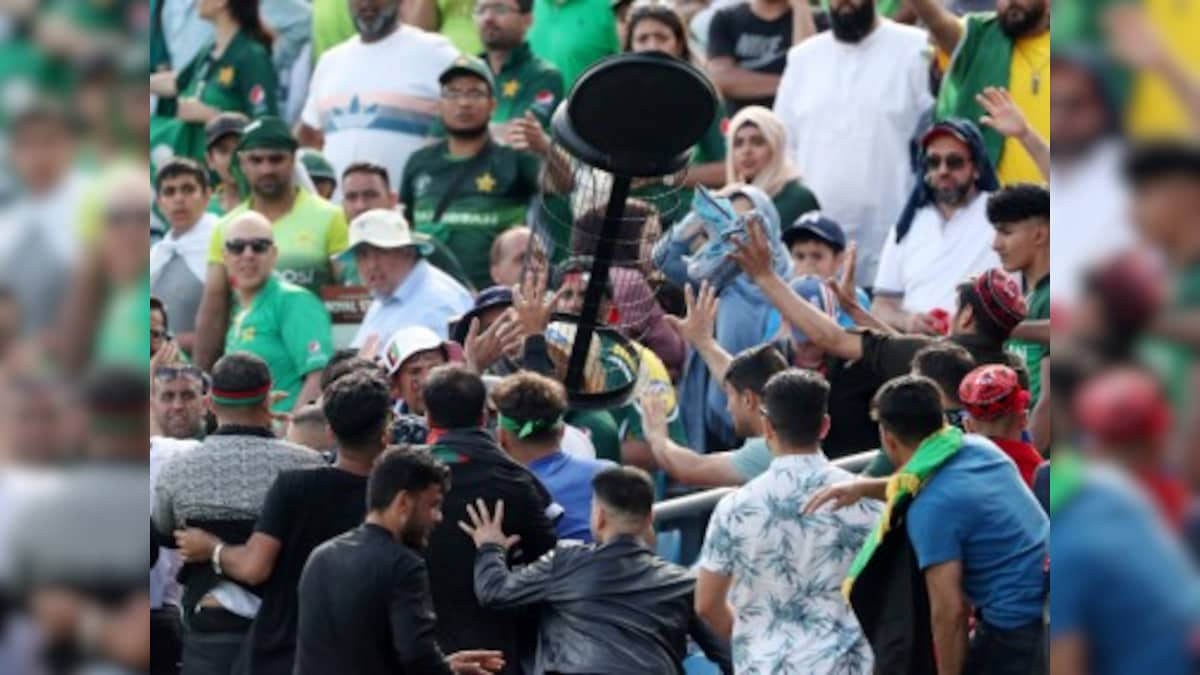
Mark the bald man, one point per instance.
(508, 255)
(282, 323)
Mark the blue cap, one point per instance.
(814, 290)
(492, 296)
(820, 226)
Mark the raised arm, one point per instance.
(1005, 117)
(945, 28)
(212, 318)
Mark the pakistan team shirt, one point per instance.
(492, 196)
(241, 80)
(1038, 302)
(306, 237)
(287, 327)
(526, 83)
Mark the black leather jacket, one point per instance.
(607, 609)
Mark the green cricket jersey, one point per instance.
(288, 327)
(1173, 361)
(123, 334)
(526, 82)
(1038, 304)
(793, 201)
(652, 377)
(312, 232)
(493, 197)
(573, 34)
(241, 80)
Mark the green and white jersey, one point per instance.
(287, 327)
(306, 237)
(493, 196)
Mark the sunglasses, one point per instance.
(238, 246)
(156, 334)
(953, 162)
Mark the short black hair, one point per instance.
(527, 396)
(796, 402)
(181, 166)
(909, 407)
(404, 468)
(946, 363)
(1018, 201)
(589, 230)
(156, 303)
(627, 490)
(368, 167)
(240, 372)
(1156, 159)
(345, 361)
(116, 390)
(751, 368)
(356, 406)
(984, 324)
(455, 397)
(526, 6)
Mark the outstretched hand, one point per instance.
(697, 326)
(485, 528)
(1003, 115)
(531, 307)
(482, 349)
(526, 133)
(753, 253)
(843, 287)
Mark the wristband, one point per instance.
(216, 559)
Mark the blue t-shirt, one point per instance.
(569, 480)
(1122, 583)
(977, 510)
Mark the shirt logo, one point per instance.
(510, 88)
(544, 98)
(257, 95)
(421, 185)
(248, 334)
(225, 76)
(485, 183)
(314, 347)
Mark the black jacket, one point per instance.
(479, 469)
(605, 609)
(365, 608)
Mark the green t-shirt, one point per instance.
(601, 429)
(493, 196)
(1038, 304)
(242, 80)
(123, 335)
(1173, 361)
(652, 376)
(312, 232)
(793, 201)
(526, 82)
(287, 327)
(573, 34)
(752, 458)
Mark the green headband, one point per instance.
(528, 428)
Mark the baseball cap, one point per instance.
(469, 65)
(992, 391)
(223, 125)
(942, 129)
(1001, 297)
(408, 341)
(1130, 286)
(1123, 405)
(814, 290)
(491, 297)
(316, 165)
(820, 226)
(385, 228)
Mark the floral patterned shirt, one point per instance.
(787, 569)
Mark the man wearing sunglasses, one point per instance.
(284, 324)
(943, 235)
(306, 229)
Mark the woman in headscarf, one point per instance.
(745, 317)
(757, 156)
(233, 73)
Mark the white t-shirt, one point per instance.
(850, 111)
(376, 102)
(936, 255)
(1088, 206)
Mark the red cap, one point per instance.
(1001, 297)
(1131, 286)
(992, 391)
(944, 130)
(1123, 405)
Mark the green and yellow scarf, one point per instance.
(904, 486)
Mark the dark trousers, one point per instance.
(166, 641)
(1016, 651)
(210, 653)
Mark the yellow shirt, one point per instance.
(1029, 84)
(1153, 109)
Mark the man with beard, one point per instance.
(466, 190)
(943, 235)
(383, 621)
(527, 83)
(307, 230)
(1008, 49)
(851, 99)
(361, 105)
